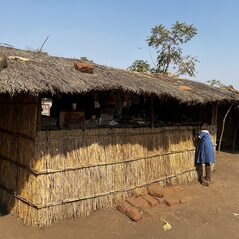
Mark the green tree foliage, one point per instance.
(140, 66)
(215, 83)
(219, 84)
(168, 44)
(84, 58)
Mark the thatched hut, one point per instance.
(48, 174)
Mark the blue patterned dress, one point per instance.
(205, 148)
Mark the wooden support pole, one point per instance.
(235, 138)
(223, 127)
(152, 111)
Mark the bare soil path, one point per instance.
(212, 213)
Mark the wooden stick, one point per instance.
(223, 126)
(234, 138)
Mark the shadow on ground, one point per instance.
(3, 211)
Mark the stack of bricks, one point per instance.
(136, 207)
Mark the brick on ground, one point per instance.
(156, 191)
(137, 202)
(133, 213)
(150, 200)
(123, 206)
(171, 200)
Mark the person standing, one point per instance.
(205, 154)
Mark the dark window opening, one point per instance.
(117, 109)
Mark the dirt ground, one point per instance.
(213, 212)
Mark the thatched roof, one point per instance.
(48, 74)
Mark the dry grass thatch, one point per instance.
(43, 73)
(73, 173)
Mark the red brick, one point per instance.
(156, 191)
(151, 201)
(123, 206)
(84, 67)
(172, 201)
(133, 213)
(137, 202)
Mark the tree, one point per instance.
(215, 83)
(219, 84)
(168, 43)
(84, 58)
(140, 66)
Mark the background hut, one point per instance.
(50, 175)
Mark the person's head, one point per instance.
(204, 125)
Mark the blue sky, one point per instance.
(114, 32)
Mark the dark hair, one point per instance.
(204, 125)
